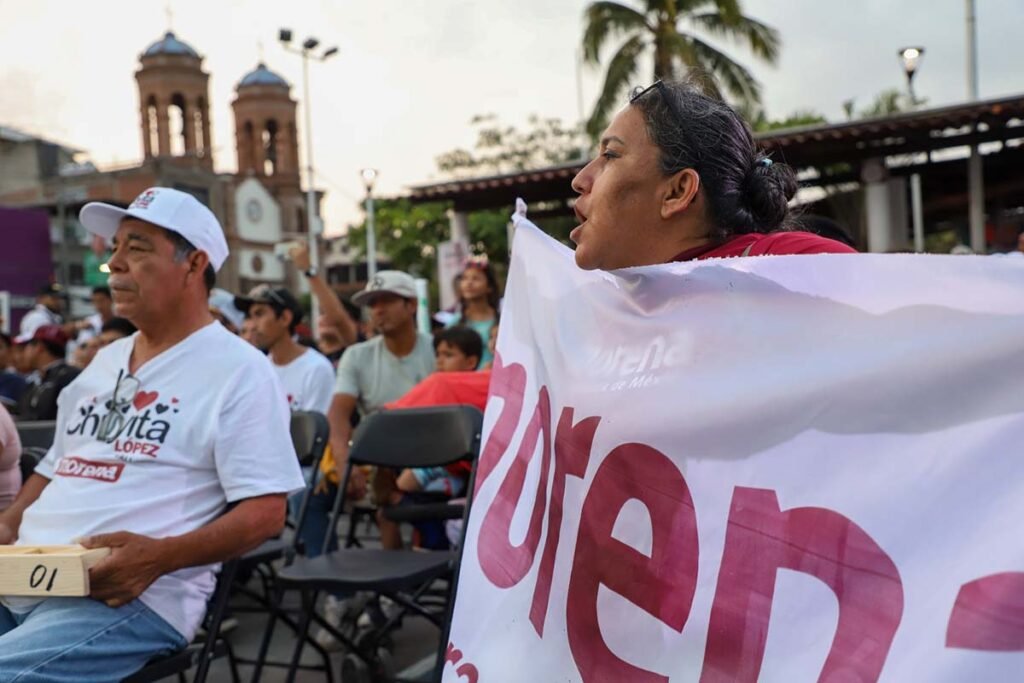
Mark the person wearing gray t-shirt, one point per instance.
(370, 374)
(380, 370)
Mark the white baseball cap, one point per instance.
(387, 281)
(170, 209)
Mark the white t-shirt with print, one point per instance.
(308, 381)
(206, 428)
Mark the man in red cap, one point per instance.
(43, 353)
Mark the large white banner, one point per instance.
(788, 468)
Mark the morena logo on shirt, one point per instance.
(140, 433)
(72, 466)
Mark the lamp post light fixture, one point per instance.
(911, 58)
(312, 219)
(975, 173)
(369, 176)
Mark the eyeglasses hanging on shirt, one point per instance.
(113, 422)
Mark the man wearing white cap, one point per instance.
(371, 374)
(156, 437)
(382, 369)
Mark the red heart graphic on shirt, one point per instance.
(143, 399)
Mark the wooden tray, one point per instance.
(47, 570)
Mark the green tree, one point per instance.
(798, 119)
(409, 233)
(886, 103)
(502, 148)
(668, 31)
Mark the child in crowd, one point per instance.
(458, 349)
(479, 299)
(457, 352)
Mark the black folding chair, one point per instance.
(202, 651)
(309, 432)
(415, 437)
(30, 458)
(36, 433)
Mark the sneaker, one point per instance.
(378, 612)
(334, 611)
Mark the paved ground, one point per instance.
(415, 641)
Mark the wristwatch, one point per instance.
(311, 272)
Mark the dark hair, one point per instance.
(122, 326)
(102, 289)
(279, 309)
(53, 348)
(182, 248)
(464, 338)
(493, 297)
(6, 339)
(745, 190)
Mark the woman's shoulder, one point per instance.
(797, 242)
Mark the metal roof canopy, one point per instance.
(805, 147)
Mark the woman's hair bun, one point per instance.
(767, 190)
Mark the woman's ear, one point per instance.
(682, 192)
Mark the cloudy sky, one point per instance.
(410, 75)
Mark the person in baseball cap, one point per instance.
(378, 371)
(164, 242)
(278, 298)
(43, 353)
(173, 210)
(173, 452)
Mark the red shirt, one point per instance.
(449, 388)
(760, 244)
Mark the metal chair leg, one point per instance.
(308, 605)
(268, 634)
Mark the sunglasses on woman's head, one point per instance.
(666, 96)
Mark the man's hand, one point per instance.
(7, 533)
(299, 254)
(133, 564)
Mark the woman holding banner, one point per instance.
(680, 177)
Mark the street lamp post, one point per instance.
(369, 178)
(975, 180)
(911, 57)
(312, 219)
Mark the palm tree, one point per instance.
(667, 27)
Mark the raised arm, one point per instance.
(330, 306)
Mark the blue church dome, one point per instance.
(261, 75)
(170, 45)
